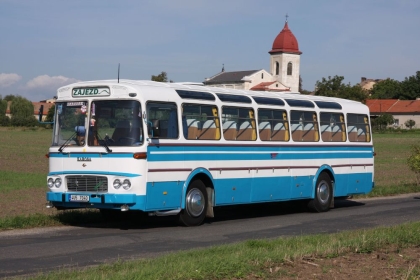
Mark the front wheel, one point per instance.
(195, 205)
(323, 194)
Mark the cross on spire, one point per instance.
(286, 17)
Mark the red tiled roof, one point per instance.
(262, 86)
(393, 106)
(285, 42)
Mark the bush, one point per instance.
(413, 161)
(410, 123)
(4, 121)
(29, 121)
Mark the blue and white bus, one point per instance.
(184, 149)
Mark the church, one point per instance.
(284, 69)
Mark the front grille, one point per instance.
(87, 183)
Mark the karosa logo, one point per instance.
(90, 91)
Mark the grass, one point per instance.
(253, 258)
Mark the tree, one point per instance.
(162, 77)
(4, 120)
(334, 87)
(50, 114)
(9, 97)
(387, 89)
(384, 120)
(409, 124)
(413, 161)
(22, 111)
(411, 87)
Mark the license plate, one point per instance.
(79, 198)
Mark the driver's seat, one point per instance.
(122, 130)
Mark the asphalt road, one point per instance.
(38, 250)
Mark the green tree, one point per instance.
(22, 111)
(383, 121)
(9, 97)
(50, 114)
(334, 87)
(410, 87)
(409, 124)
(162, 77)
(413, 161)
(387, 89)
(4, 120)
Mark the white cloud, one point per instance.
(8, 79)
(47, 82)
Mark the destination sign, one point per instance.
(91, 91)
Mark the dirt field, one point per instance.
(376, 265)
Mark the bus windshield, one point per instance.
(109, 123)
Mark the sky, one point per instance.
(48, 44)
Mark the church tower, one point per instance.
(285, 59)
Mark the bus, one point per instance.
(184, 149)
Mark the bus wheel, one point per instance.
(323, 194)
(195, 205)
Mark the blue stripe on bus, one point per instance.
(93, 172)
(91, 155)
(176, 153)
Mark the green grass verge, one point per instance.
(68, 217)
(251, 258)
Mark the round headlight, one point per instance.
(57, 182)
(50, 182)
(117, 184)
(126, 184)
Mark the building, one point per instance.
(367, 84)
(37, 106)
(284, 69)
(401, 110)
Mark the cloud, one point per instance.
(8, 79)
(47, 82)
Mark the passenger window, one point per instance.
(162, 120)
(333, 127)
(238, 124)
(304, 126)
(273, 125)
(200, 122)
(358, 128)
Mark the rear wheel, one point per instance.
(195, 205)
(323, 194)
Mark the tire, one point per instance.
(195, 205)
(323, 194)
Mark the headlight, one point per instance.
(57, 182)
(117, 184)
(50, 182)
(126, 184)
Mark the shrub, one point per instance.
(410, 123)
(4, 121)
(29, 121)
(413, 161)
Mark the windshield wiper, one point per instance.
(65, 144)
(102, 141)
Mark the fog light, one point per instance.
(126, 184)
(125, 208)
(117, 184)
(50, 182)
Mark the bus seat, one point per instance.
(245, 131)
(326, 133)
(265, 131)
(279, 132)
(308, 133)
(361, 135)
(229, 130)
(336, 134)
(193, 128)
(208, 132)
(297, 132)
(122, 130)
(352, 133)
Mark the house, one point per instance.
(284, 69)
(401, 110)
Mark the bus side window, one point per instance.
(162, 120)
(358, 128)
